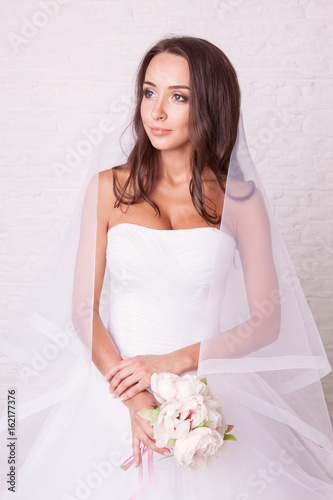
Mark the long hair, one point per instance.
(213, 122)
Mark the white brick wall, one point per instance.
(69, 64)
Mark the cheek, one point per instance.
(144, 109)
(185, 120)
(184, 116)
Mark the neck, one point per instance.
(174, 167)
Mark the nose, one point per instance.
(158, 111)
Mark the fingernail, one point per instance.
(123, 398)
(105, 378)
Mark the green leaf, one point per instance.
(171, 443)
(151, 415)
(204, 424)
(229, 437)
(200, 425)
(204, 380)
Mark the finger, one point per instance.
(120, 377)
(112, 372)
(138, 380)
(145, 432)
(124, 356)
(147, 441)
(150, 432)
(126, 385)
(136, 449)
(135, 389)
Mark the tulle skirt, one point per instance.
(87, 436)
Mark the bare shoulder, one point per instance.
(247, 209)
(106, 180)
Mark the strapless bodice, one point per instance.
(159, 281)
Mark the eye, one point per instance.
(148, 93)
(180, 98)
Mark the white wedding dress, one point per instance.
(159, 285)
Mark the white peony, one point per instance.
(177, 418)
(198, 450)
(190, 420)
(168, 386)
(216, 416)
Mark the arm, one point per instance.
(89, 275)
(132, 374)
(104, 351)
(250, 224)
(89, 272)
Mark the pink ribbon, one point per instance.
(151, 469)
(130, 462)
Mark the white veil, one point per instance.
(265, 357)
(46, 342)
(261, 351)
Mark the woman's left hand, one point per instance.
(132, 375)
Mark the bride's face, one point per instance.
(165, 106)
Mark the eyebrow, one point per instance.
(171, 86)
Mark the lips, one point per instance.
(159, 131)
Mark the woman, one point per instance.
(162, 122)
(179, 268)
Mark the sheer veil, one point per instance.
(261, 351)
(267, 360)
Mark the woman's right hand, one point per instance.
(142, 431)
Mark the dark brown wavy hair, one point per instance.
(214, 115)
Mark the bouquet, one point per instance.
(190, 421)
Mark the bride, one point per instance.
(178, 267)
(162, 159)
